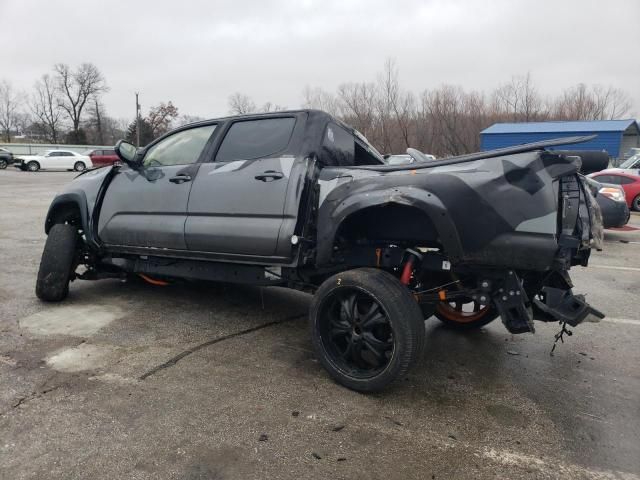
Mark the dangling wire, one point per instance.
(560, 336)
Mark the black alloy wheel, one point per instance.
(357, 333)
(367, 328)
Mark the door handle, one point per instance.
(180, 178)
(269, 176)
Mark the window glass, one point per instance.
(108, 152)
(251, 139)
(181, 148)
(364, 156)
(625, 180)
(66, 154)
(338, 146)
(603, 178)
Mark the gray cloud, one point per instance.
(197, 53)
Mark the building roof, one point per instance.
(562, 127)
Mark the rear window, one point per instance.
(338, 146)
(251, 139)
(108, 152)
(607, 179)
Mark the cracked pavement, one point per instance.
(129, 380)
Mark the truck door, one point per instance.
(237, 202)
(148, 207)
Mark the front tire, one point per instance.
(3, 164)
(57, 263)
(33, 166)
(79, 167)
(366, 328)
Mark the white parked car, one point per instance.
(54, 159)
(631, 165)
(405, 159)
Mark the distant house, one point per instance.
(615, 137)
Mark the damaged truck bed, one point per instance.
(301, 200)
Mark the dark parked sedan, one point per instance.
(6, 158)
(612, 201)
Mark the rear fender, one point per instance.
(335, 211)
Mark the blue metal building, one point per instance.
(616, 137)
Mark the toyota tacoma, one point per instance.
(301, 200)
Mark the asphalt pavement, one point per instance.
(202, 381)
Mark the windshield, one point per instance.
(629, 162)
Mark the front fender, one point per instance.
(64, 201)
(83, 193)
(348, 199)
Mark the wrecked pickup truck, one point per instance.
(301, 200)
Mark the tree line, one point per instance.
(448, 120)
(65, 106)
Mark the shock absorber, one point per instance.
(407, 270)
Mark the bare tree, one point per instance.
(610, 102)
(161, 118)
(359, 105)
(241, 104)
(519, 99)
(320, 99)
(45, 108)
(75, 89)
(272, 107)
(10, 101)
(185, 119)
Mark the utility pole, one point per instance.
(137, 122)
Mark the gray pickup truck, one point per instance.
(301, 200)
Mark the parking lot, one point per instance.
(130, 380)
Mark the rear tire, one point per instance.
(3, 164)
(57, 263)
(366, 328)
(635, 205)
(79, 167)
(33, 166)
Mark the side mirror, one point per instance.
(128, 153)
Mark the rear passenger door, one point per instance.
(237, 200)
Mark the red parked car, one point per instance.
(630, 184)
(100, 158)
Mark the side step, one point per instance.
(199, 270)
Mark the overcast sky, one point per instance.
(197, 53)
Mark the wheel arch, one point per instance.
(335, 217)
(72, 205)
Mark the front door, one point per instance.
(147, 207)
(237, 202)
